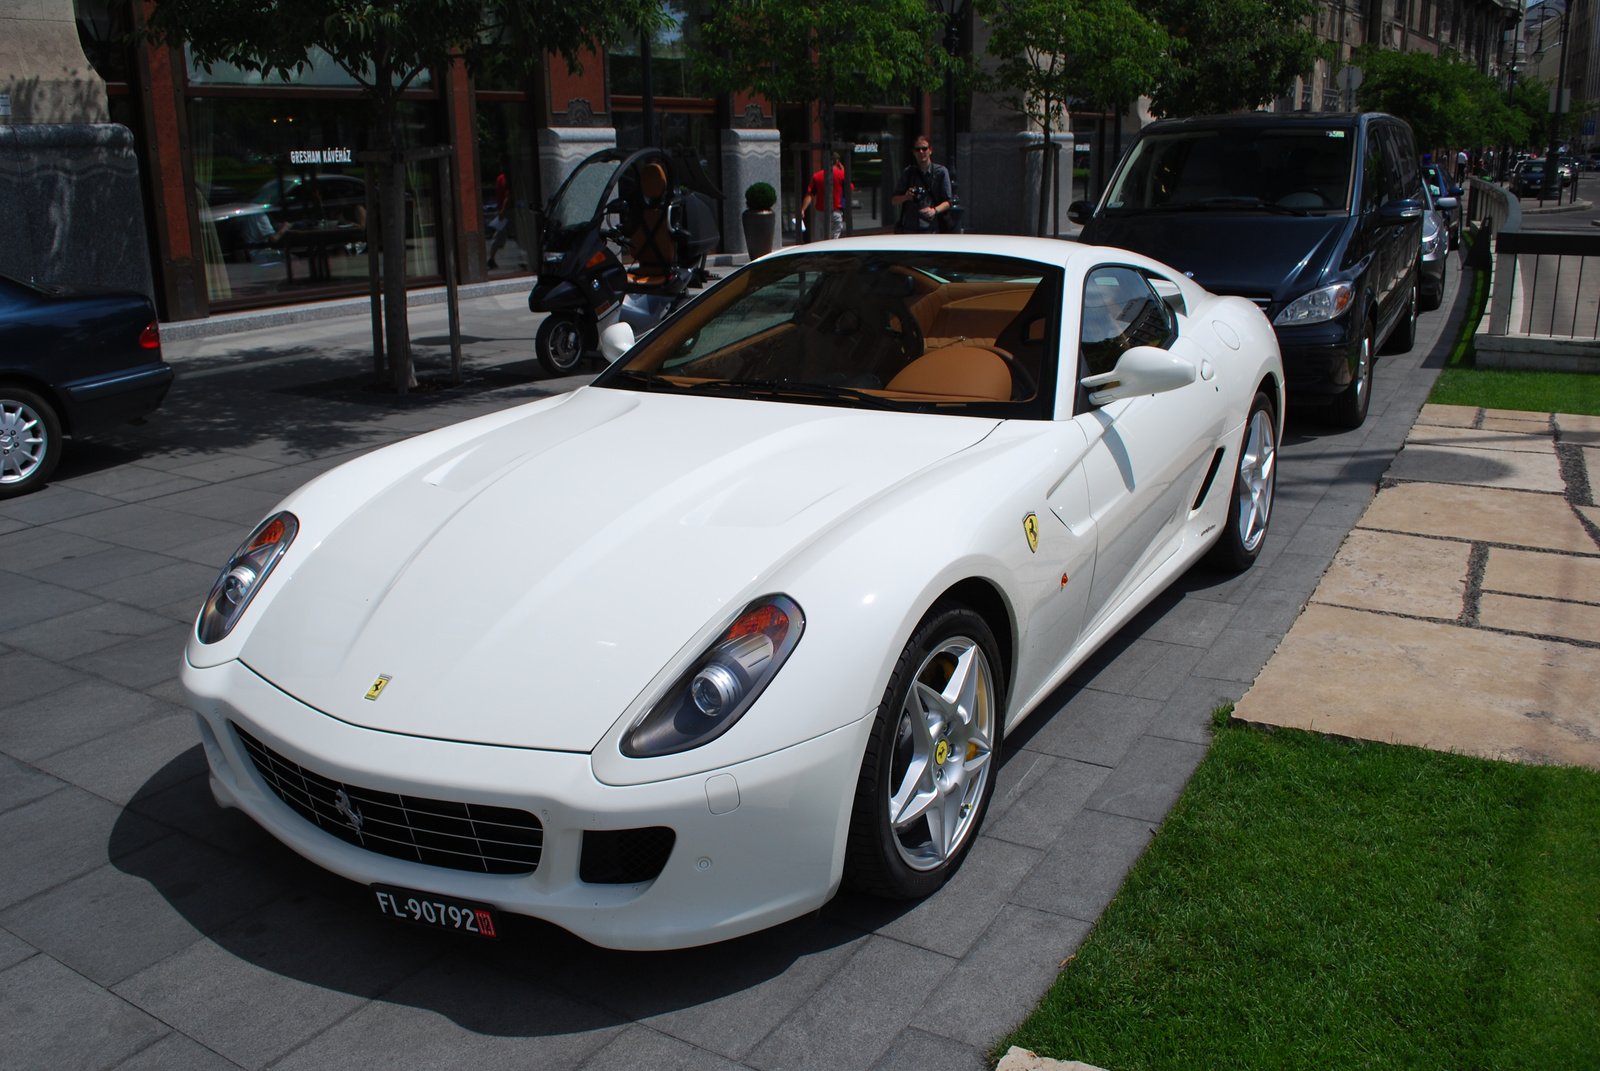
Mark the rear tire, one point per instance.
(1433, 302)
(1254, 484)
(1404, 335)
(1349, 409)
(30, 441)
(560, 343)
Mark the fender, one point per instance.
(556, 294)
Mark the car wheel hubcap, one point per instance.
(565, 345)
(942, 747)
(22, 441)
(1257, 472)
(1364, 368)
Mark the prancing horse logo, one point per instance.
(352, 816)
(1030, 528)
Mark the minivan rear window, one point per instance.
(1293, 170)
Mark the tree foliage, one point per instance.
(831, 52)
(1232, 55)
(1447, 101)
(385, 45)
(1052, 54)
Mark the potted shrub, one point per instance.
(760, 223)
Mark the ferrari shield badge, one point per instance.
(377, 687)
(1030, 528)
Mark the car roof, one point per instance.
(1320, 120)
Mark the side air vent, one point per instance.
(1211, 474)
(624, 856)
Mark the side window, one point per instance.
(1372, 178)
(1120, 311)
(1394, 186)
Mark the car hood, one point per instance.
(522, 588)
(1226, 253)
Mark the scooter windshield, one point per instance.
(579, 200)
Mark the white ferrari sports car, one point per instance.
(667, 659)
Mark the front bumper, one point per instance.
(1432, 274)
(778, 853)
(1319, 360)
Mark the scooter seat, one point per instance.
(641, 279)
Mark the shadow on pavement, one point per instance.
(262, 903)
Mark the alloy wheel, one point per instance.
(1257, 474)
(23, 441)
(943, 743)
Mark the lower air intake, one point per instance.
(624, 856)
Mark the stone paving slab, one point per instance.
(1490, 515)
(1438, 463)
(1448, 416)
(1537, 442)
(186, 937)
(1398, 574)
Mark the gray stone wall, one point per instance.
(73, 212)
(42, 65)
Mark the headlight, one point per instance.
(1430, 242)
(243, 576)
(722, 683)
(1317, 306)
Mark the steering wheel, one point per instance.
(910, 332)
(1023, 386)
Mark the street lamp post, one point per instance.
(1552, 173)
(951, 10)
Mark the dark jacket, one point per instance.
(932, 187)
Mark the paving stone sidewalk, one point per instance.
(1463, 612)
(140, 926)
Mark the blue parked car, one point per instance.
(73, 360)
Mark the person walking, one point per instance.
(500, 224)
(816, 194)
(1461, 167)
(924, 192)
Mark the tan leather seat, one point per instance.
(651, 241)
(957, 371)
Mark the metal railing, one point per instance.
(1544, 285)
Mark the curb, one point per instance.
(231, 323)
(1575, 206)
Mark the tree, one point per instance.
(828, 51)
(1052, 53)
(385, 45)
(1232, 55)
(1447, 101)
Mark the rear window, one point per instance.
(1295, 169)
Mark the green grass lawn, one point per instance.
(1460, 383)
(1319, 904)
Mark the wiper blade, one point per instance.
(781, 387)
(647, 380)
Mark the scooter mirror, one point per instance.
(615, 341)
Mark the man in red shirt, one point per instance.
(815, 194)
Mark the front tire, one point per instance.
(1349, 409)
(1255, 482)
(30, 441)
(929, 768)
(559, 343)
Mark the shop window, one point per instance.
(282, 202)
(321, 70)
(672, 52)
(508, 187)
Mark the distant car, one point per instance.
(1435, 253)
(1529, 179)
(73, 359)
(1443, 190)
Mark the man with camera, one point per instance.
(924, 194)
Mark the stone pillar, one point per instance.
(461, 121)
(43, 68)
(74, 213)
(562, 149)
(1000, 191)
(748, 156)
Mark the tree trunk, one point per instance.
(392, 218)
(827, 166)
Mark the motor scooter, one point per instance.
(624, 239)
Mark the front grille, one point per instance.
(624, 856)
(459, 836)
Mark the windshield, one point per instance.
(1298, 170)
(923, 332)
(575, 206)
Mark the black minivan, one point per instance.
(1315, 218)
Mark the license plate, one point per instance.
(438, 912)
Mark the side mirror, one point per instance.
(615, 341)
(1456, 191)
(1446, 203)
(1080, 212)
(1400, 210)
(1141, 370)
